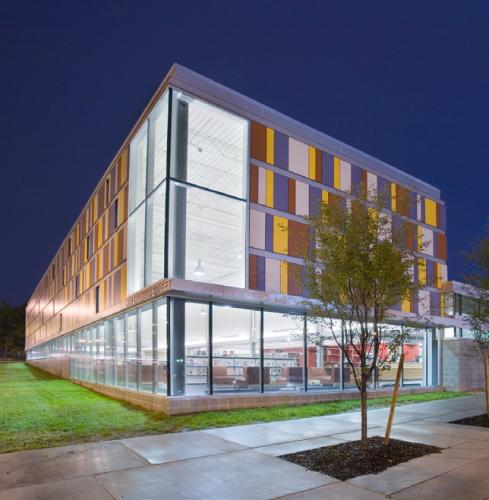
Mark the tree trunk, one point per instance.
(363, 397)
(393, 401)
(486, 377)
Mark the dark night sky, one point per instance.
(407, 83)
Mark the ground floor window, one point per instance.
(173, 346)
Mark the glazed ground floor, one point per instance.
(187, 348)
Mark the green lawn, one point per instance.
(38, 410)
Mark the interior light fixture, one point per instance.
(199, 270)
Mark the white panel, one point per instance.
(418, 207)
(371, 183)
(444, 273)
(298, 157)
(345, 176)
(272, 275)
(257, 229)
(301, 199)
(424, 303)
(427, 237)
(262, 186)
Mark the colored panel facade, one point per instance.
(211, 191)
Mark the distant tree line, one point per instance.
(12, 330)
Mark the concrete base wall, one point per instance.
(58, 366)
(463, 369)
(194, 404)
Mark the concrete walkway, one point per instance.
(242, 462)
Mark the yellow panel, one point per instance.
(94, 208)
(393, 197)
(123, 282)
(280, 234)
(100, 235)
(270, 146)
(116, 249)
(123, 167)
(430, 212)
(99, 265)
(283, 278)
(269, 188)
(420, 238)
(336, 173)
(120, 216)
(312, 162)
(325, 197)
(102, 295)
(438, 274)
(406, 305)
(422, 271)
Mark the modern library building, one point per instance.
(179, 286)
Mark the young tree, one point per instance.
(359, 267)
(477, 310)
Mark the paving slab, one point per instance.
(280, 432)
(430, 438)
(80, 488)
(457, 415)
(296, 446)
(54, 464)
(407, 474)
(336, 491)
(243, 474)
(181, 446)
(356, 435)
(469, 482)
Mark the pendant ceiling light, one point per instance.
(199, 270)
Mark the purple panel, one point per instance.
(443, 217)
(422, 208)
(396, 223)
(260, 273)
(281, 150)
(356, 180)
(280, 193)
(413, 205)
(328, 169)
(269, 232)
(430, 272)
(384, 191)
(435, 244)
(396, 307)
(435, 303)
(315, 196)
(414, 302)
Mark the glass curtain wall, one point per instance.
(147, 200)
(215, 348)
(208, 193)
(235, 349)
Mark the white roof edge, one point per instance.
(201, 86)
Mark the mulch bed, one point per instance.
(347, 460)
(479, 421)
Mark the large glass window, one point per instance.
(208, 236)
(155, 234)
(413, 358)
(137, 167)
(132, 350)
(283, 352)
(196, 349)
(120, 339)
(158, 131)
(323, 356)
(161, 347)
(235, 348)
(146, 335)
(209, 146)
(135, 251)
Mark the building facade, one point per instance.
(182, 277)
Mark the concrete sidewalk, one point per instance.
(242, 462)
